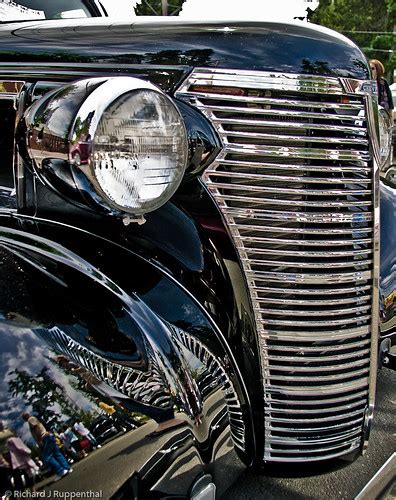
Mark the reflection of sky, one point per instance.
(175, 307)
(22, 349)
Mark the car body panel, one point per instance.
(168, 299)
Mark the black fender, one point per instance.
(116, 328)
(388, 261)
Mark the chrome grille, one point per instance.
(295, 185)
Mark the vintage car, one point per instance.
(212, 267)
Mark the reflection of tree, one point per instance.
(78, 383)
(316, 67)
(159, 7)
(81, 128)
(196, 57)
(42, 393)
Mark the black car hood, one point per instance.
(271, 46)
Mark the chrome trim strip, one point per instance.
(323, 336)
(294, 152)
(308, 312)
(299, 402)
(309, 411)
(375, 319)
(383, 481)
(323, 419)
(282, 113)
(309, 253)
(298, 203)
(291, 125)
(319, 348)
(315, 430)
(317, 324)
(305, 265)
(295, 191)
(309, 243)
(323, 368)
(322, 302)
(295, 138)
(290, 441)
(314, 291)
(277, 102)
(289, 178)
(317, 231)
(309, 458)
(309, 278)
(277, 166)
(317, 450)
(317, 378)
(318, 390)
(258, 79)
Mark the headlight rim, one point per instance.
(106, 94)
(386, 120)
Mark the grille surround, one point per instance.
(280, 172)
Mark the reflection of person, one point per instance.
(384, 93)
(5, 484)
(21, 462)
(50, 452)
(85, 433)
(72, 444)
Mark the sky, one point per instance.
(256, 10)
(225, 9)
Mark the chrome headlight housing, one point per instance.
(385, 136)
(123, 140)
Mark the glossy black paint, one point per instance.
(50, 296)
(58, 49)
(388, 261)
(204, 144)
(182, 261)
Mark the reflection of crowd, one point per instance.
(58, 450)
(49, 449)
(17, 468)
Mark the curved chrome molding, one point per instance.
(146, 387)
(170, 276)
(260, 79)
(218, 377)
(372, 112)
(176, 378)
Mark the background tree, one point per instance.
(159, 7)
(43, 394)
(371, 24)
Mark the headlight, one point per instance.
(123, 139)
(385, 136)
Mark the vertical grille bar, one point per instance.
(295, 183)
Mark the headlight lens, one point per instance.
(118, 144)
(139, 151)
(385, 135)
